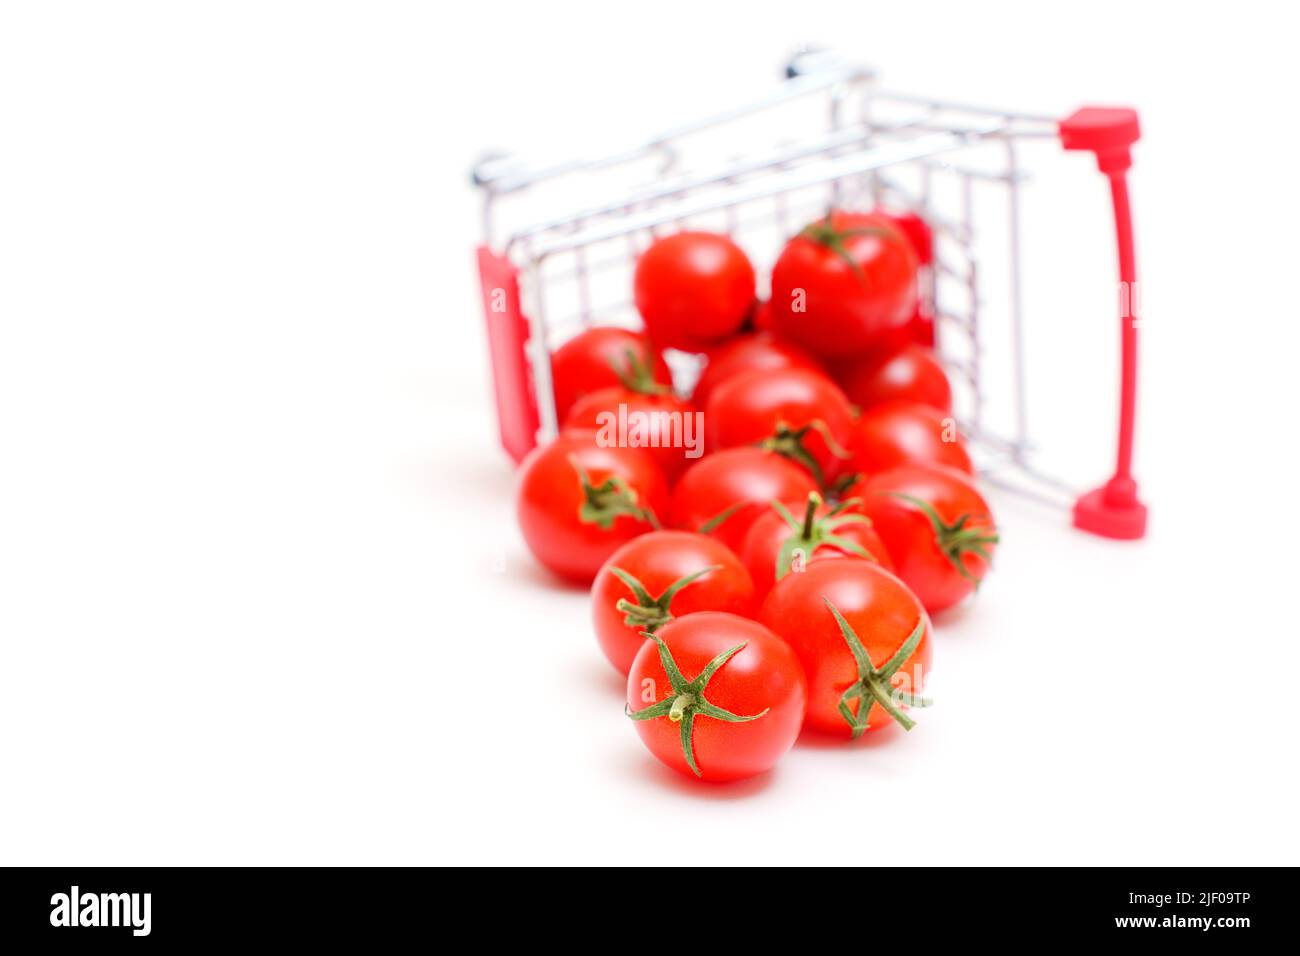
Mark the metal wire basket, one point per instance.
(561, 241)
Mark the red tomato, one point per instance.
(723, 493)
(658, 423)
(693, 289)
(716, 696)
(793, 411)
(938, 529)
(911, 374)
(843, 283)
(661, 576)
(778, 543)
(876, 652)
(600, 358)
(758, 350)
(578, 501)
(899, 433)
(916, 229)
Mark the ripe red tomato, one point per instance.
(843, 283)
(916, 229)
(793, 411)
(779, 543)
(757, 350)
(578, 501)
(911, 374)
(899, 433)
(600, 358)
(938, 529)
(661, 576)
(861, 636)
(693, 289)
(716, 696)
(724, 492)
(659, 423)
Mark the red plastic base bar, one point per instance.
(1112, 511)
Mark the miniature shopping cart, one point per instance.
(828, 136)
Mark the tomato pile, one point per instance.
(764, 553)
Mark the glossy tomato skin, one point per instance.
(593, 359)
(658, 560)
(881, 611)
(746, 409)
(757, 350)
(910, 374)
(693, 289)
(910, 536)
(769, 532)
(900, 433)
(846, 311)
(766, 674)
(748, 479)
(550, 495)
(674, 421)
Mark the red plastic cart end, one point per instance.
(1114, 510)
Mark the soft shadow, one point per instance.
(953, 615)
(814, 740)
(599, 674)
(645, 766)
(536, 575)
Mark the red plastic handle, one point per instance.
(1114, 510)
(508, 332)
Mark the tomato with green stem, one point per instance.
(716, 696)
(578, 501)
(778, 542)
(725, 492)
(795, 412)
(603, 357)
(937, 526)
(661, 576)
(693, 289)
(901, 433)
(843, 284)
(863, 639)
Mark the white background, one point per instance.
(261, 594)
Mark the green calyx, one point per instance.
(824, 233)
(602, 504)
(789, 443)
(813, 532)
(637, 375)
(875, 684)
(956, 539)
(649, 613)
(686, 701)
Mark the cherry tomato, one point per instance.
(862, 637)
(843, 283)
(757, 350)
(600, 358)
(724, 492)
(693, 289)
(911, 374)
(898, 433)
(578, 501)
(662, 425)
(661, 576)
(716, 696)
(938, 529)
(917, 230)
(779, 543)
(796, 412)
